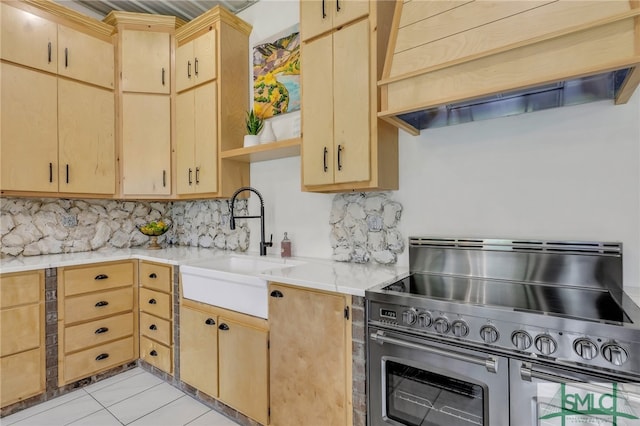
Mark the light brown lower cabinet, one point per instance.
(310, 369)
(225, 355)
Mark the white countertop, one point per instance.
(320, 274)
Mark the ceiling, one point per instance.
(185, 9)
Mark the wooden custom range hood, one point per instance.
(456, 61)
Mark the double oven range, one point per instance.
(479, 324)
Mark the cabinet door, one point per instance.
(351, 113)
(146, 153)
(243, 369)
(86, 125)
(206, 138)
(184, 66)
(316, 17)
(146, 62)
(85, 58)
(317, 111)
(29, 130)
(204, 60)
(21, 376)
(345, 11)
(199, 350)
(186, 139)
(308, 358)
(28, 39)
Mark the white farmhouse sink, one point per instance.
(231, 282)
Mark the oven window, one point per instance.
(418, 397)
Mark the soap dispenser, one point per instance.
(285, 247)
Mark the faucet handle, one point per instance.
(270, 243)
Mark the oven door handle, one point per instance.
(490, 363)
(527, 372)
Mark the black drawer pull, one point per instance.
(277, 293)
(101, 357)
(163, 76)
(49, 52)
(66, 57)
(153, 275)
(223, 326)
(153, 353)
(101, 277)
(152, 301)
(50, 172)
(188, 69)
(210, 321)
(102, 330)
(153, 327)
(196, 67)
(101, 303)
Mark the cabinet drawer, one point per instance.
(97, 332)
(20, 289)
(155, 328)
(97, 277)
(156, 303)
(21, 376)
(90, 361)
(156, 354)
(90, 306)
(20, 329)
(156, 277)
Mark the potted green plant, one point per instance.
(254, 125)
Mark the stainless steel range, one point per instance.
(479, 324)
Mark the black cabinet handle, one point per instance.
(190, 180)
(49, 52)
(101, 357)
(153, 275)
(164, 178)
(101, 277)
(101, 303)
(196, 67)
(163, 76)
(188, 69)
(152, 301)
(197, 175)
(340, 149)
(338, 5)
(324, 14)
(153, 353)
(66, 57)
(223, 326)
(101, 330)
(277, 293)
(210, 321)
(50, 172)
(153, 327)
(325, 153)
(67, 173)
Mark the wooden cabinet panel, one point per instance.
(21, 376)
(85, 58)
(86, 126)
(97, 332)
(146, 62)
(27, 39)
(184, 66)
(199, 350)
(20, 288)
(186, 142)
(155, 328)
(20, 329)
(29, 131)
(154, 276)
(243, 369)
(204, 52)
(96, 359)
(344, 11)
(146, 152)
(319, 16)
(96, 305)
(308, 370)
(97, 277)
(156, 354)
(155, 303)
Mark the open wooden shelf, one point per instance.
(264, 152)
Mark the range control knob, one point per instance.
(585, 348)
(521, 340)
(441, 324)
(489, 334)
(459, 328)
(425, 320)
(545, 344)
(410, 316)
(615, 354)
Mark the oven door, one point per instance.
(417, 381)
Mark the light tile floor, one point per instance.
(134, 397)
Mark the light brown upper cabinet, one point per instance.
(320, 16)
(196, 61)
(79, 54)
(344, 146)
(146, 61)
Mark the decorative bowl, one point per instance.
(154, 229)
